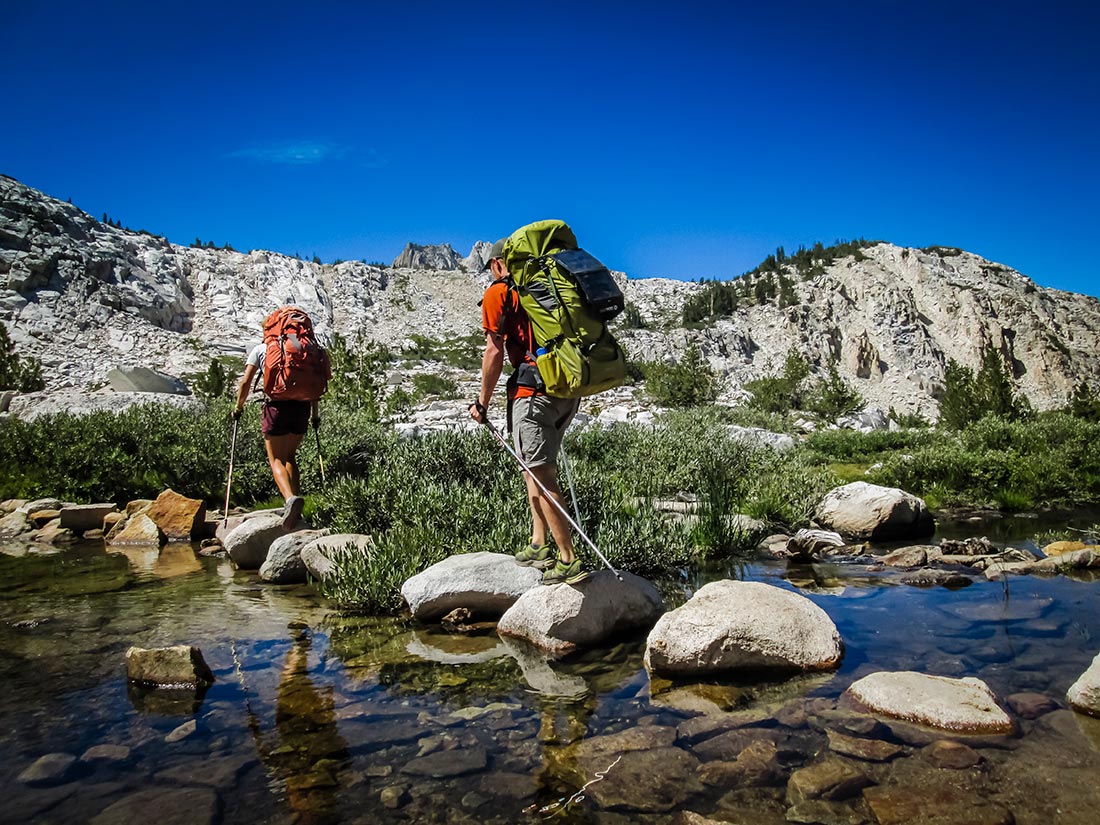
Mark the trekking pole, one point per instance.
(320, 458)
(229, 476)
(542, 487)
(569, 481)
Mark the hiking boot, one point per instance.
(538, 557)
(292, 511)
(565, 573)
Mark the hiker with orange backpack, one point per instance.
(295, 370)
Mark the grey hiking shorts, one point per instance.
(538, 426)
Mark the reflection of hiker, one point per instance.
(307, 749)
(295, 370)
(536, 420)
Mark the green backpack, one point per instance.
(569, 297)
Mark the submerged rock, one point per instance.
(51, 769)
(167, 806)
(832, 779)
(563, 618)
(868, 511)
(732, 625)
(1084, 694)
(961, 705)
(651, 780)
(896, 805)
(485, 583)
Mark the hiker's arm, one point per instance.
(492, 362)
(246, 382)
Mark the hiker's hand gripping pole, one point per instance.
(560, 507)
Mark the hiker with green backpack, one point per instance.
(547, 310)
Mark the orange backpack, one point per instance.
(296, 367)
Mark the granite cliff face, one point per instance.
(85, 297)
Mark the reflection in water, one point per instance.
(306, 752)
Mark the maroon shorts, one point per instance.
(286, 417)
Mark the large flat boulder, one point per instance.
(563, 618)
(81, 517)
(248, 543)
(867, 511)
(484, 583)
(960, 705)
(1084, 694)
(320, 556)
(732, 625)
(283, 564)
(143, 379)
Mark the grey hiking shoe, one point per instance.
(292, 511)
(562, 573)
(538, 557)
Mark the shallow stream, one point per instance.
(317, 717)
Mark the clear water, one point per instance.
(321, 718)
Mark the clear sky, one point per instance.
(679, 139)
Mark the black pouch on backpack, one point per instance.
(594, 282)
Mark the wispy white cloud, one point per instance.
(291, 152)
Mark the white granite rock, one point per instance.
(960, 705)
(248, 544)
(284, 564)
(733, 625)
(867, 511)
(1084, 694)
(563, 618)
(484, 583)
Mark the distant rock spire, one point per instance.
(437, 256)
(477, 257)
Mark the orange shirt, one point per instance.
(502, 315)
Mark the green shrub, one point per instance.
(853, 446)
(18, 373)
(215, 382)
(688, 383)
(425, 384)
(358, 374)
(1051, 459)
(1085, 403)
(967, 396)
(632, 317)
(780, 393)
(831, 397)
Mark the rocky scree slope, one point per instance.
(84, 297)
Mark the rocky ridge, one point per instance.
(85, 297)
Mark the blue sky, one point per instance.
(679, 139)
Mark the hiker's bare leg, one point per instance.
(539, 526)
(281, 451)
(545, 512)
